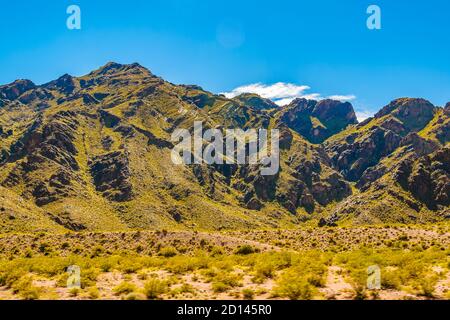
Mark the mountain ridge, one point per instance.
(93, 152)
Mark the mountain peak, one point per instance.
(403, 104)
(65, 84)
(114, 67)
(255, 101)
(328, 109)
(318, 120)
(414, 113)
(15, 89)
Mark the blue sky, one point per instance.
(221, 45)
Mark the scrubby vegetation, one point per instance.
(236, 270)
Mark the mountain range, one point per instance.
(93, 153)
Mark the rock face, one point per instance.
(408, 173)
(427, 178)
(256, 102)
(41, 143)
(447, 109)
(65, 84)
(14, 90)
(317, 121)
(414, 114)
(111, 176)
(353, 158)
(372, 141)
(94, 153)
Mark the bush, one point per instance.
(294, 288)
(245, 249)
(222, 282)
(265, 270)
(10, 276)
(426, 287)
(129, 265)
(216, 251)
(168, 252)
(89, 277)
(391, 280)
(219, 287)
(316, 280)
(25, 289)
(124, 288)
(93, 293)
(74, 291)
(154, 288)
(248, 294)
(135, 296)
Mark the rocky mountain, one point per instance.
(93, 153)
(318, 120)
(256, 102)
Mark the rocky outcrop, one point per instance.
(352, 159)
(43, 145)
(65, 84)
(256, 102)
(420, 145)
(14, 90)
(111, 174)
(427, 178)
(413, 145)
(317, 121)
(310, 186)
(380, 136)
(414, 114)
(5, 133)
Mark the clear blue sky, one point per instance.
(221, 45)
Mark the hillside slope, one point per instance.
(93, 153)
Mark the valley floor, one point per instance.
(309, 263)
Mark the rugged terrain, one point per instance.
(86, 179)
(93, 153)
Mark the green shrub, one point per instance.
(154, 288)
(248, 294)
(74, 291)
(391, 279)
(168, 252)
(25, 289)
(10, 276)
(89, 277)
(245, 249)
(93, 293)
(426, 286)
(265, 270)
(135, 296)
(316, 280)
(294, 287)
(219, 287)
(124, 288)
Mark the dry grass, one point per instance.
(183, 265)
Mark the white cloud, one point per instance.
(363, 115)
(275, 91)
(284, 101)
(283, 93)
(349, 97)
